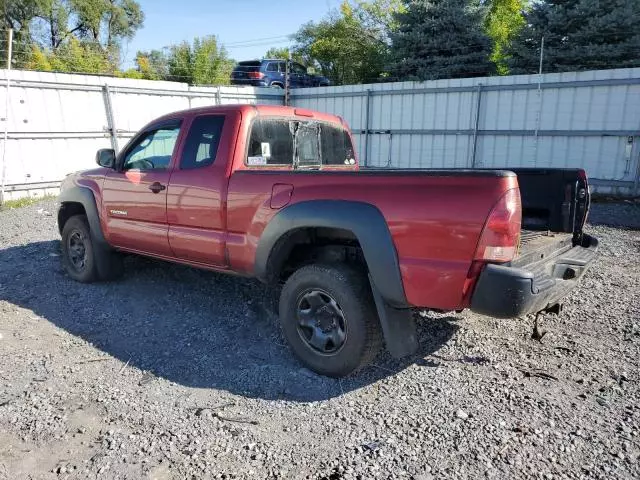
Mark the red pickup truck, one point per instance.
(275, 193)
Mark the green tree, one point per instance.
(441, 39)
(349, 45)
(578, 35)
(152, 65)
(505, 19)
(97, 26)
(107, 21)
(72, 56)
(277, 52)
(379, 16)
(283, 53)
(18, 15)
(202, 63)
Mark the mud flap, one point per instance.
(108, 265)
(398, 326)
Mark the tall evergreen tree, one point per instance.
(578, 35)
(441, 39)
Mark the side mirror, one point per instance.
(311, 71)
(106, 157)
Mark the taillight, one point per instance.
(257, 75)
(582, 175)
(501, 232)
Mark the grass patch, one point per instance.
(24, 202)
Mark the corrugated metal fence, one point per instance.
(587, 119)
(55, 122)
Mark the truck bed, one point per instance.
(538, 245)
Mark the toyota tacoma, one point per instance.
(275, 193)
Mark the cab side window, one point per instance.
(153, 150)
(335, 146)
(270, 143)
(201, 145)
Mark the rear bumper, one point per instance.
(249, 82)
(508, 292)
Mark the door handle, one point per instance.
(157, 187)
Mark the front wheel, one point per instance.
(328, 317)
(78, 255)
(83, 259)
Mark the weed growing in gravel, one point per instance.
(24, 202)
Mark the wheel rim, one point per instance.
(321, 322)
(77, 250)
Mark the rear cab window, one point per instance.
(298, 144)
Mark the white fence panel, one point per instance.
(56, 122)
(589, 120)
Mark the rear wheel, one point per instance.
(328, 317)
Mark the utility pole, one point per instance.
(6, 116)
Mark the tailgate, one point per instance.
(553, 252)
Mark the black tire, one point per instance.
(76, 236)
(276, 85)
(345, 296)
(98, 262)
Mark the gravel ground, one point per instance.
(177, 373)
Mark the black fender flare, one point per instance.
(364, 220)
(85, 197)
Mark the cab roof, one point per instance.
(266, 110)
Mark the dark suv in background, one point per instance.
(271, 73)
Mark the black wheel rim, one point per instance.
(77, 250)
(321, 322)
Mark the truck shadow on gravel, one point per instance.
(191, 327)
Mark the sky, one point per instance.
(247, 28)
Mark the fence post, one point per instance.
(636, 182)
(6, 117)
(219, 95)
(475, 127)
(111, 123)
(287, 82)
(366, 127)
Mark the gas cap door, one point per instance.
(280, 195)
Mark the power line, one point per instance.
(258, 40)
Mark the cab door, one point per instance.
(197, 193)
(135, 195)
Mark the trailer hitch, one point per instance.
(554, 310)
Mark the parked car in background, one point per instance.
(271, 73)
